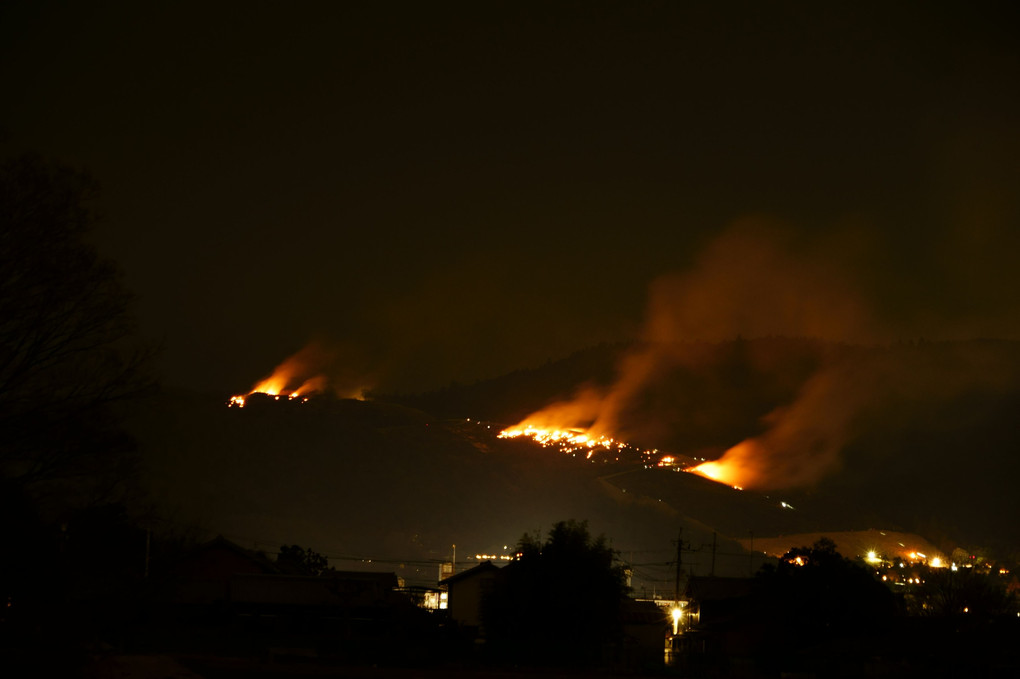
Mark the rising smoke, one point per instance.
(318, 367)
(759, 280)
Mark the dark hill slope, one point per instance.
(930, 431)
(934, 451)
(371, 480)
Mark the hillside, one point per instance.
(923, 435)
(360, 480)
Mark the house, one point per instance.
(645, 627)
(465, 591)
(221, 572)
(222, 596)
(204, 575)
(723, 621)
(713, 600)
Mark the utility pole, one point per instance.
(750, 558)
(713, 554)
(679, 559)
(677, 610)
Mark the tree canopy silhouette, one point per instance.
(560, 601)
(296, 560)
(67, 347)
(815, 593)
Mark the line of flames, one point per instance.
(240, 399)
(571, 441)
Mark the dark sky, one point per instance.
(445, 191)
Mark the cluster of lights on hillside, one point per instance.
(497, 557)
(912, 558)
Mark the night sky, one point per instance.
(441, 191)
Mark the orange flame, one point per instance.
(562, 425)
(272, 385)
(738, 467)
(294, 370)
(567, 440)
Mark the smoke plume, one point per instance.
(760, 280)
(755, 280)
(318, 367)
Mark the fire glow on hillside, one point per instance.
(741, 466)
(735, 468)
(279, 384)
(575, 440)
(567, 440)
(717, 471)
(311, 370)
(566, 426)
(239, 399)
(298, 394)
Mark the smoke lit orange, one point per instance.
(738, 467)
(293, 371)
(717, 471)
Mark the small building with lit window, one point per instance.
(465, 591)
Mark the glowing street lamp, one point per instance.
(677, 613)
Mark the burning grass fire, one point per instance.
(564, 426)
(240, 399)
(575, 440)
(567, 440)
(716, 470)
(278, 385)
(561, 426)
(739, 467)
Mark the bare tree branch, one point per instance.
(67, 339)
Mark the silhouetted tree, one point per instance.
(559, 602)
(297, 560)
(815, 593)
(67, 356)
(946, 592)
(67, 350)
